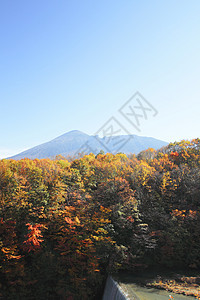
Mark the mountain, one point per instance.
(74, 142)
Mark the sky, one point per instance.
(72, 65)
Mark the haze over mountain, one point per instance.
(74, 142)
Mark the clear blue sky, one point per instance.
(68, 65)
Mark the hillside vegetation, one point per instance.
(65, 225)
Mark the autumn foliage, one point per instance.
(65, 224)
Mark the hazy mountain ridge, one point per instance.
(74, 142)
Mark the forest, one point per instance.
(65, 224)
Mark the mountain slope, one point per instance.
(74, 142)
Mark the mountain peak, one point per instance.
(76, 141)
(75, 132)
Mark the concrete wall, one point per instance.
(113, 291)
